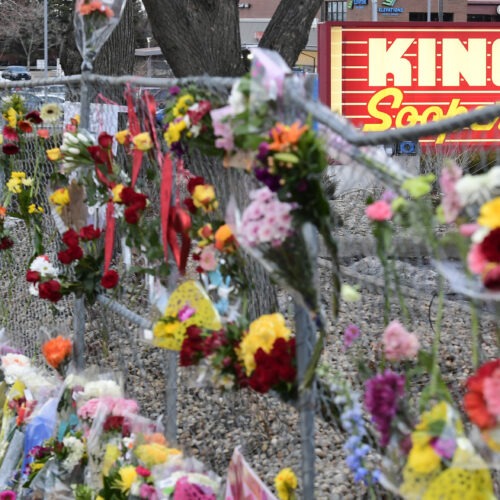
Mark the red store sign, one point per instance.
(387, 75)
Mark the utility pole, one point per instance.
(440, 11)
(374, 10)
(428, 11)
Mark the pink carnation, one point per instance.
(208, 260)
(398, 343)
(379, 211)
(91, 407)
(121, 407)
(491, 393)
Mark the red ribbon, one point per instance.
(180, 223)
(109, 238)
(165, 200)
(134, 129)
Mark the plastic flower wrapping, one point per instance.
(94, 21)
(75, 435)
(470, 205)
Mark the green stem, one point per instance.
(435, 373)
(402, 304)
(476, 337)
(315, 357)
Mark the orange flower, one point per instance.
(156, 437)
(3, 212)
(56, 351)
(286, 136)
(25, 126)
(225, 240)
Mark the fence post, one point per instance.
(305, 332)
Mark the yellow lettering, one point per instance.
(385, 119)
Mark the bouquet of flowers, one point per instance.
(187, 121)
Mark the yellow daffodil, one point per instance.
(18, 175)
(286, 484)
(489, 214)
(127, 475)
(14, 185)
(142, 141)
(54, 154)
(111, 455)
(262, 334)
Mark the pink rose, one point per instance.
(121, 407)
(91, 407)
(379, 211)
(398, 343)
(476, 259)
(208, 260)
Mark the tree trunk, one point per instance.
(288, 30)
(198, 36)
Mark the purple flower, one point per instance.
(5, 349)
(185, 313)
(7, 495)
(444, 447)
(148, 491)
(351, 333)
(174, 90)
(382, 395)
(263, 152)
(271, 181)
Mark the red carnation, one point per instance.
(89, 233)
(109, 279)
(10, 148)
(105, 140)
(25, 126)
(50, 290)
(113, 423)
(193, 182)
(189, 204)
(132, 214)
(32, 276)
(6, 243)
(10, 134)
(70, 238)
(490, 246)
(475, 404)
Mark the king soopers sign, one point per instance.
(382, 76)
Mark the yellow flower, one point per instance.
(50, 112)
(154, 454)
(423, 459)
(12, 117)
(127, 475)
(18, 175)
(286, 484)
(489, 214)
(111, 455)
(262, 334)
(54, 154)
(1, 139)
(14, 185)
(182, 105)
(142, 141)
(121, 136)
(60, 197)
(204, 197)
(117, 193)
(171, 334)
(32, 209)
(27, 182)
(174, 131)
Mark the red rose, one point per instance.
(491, 279)
(99, 155)
(34, 117)
(109, 279)
(189, 204)
(132, 214)
(113, 423)
(193, 182)
(10, 148)
(50, 290)
(70, 238)
(69, 255)
(490, 246)
(6, 243)
(89, 233)
(105, 140)
(32, 276)
(474, 401)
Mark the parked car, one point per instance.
(16, 73)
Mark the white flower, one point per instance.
(478, 188)
(101, 388)
(76, 451)
(236, 100)
(42, 265)
(33, 289)
(70, 138)
(74, 151)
